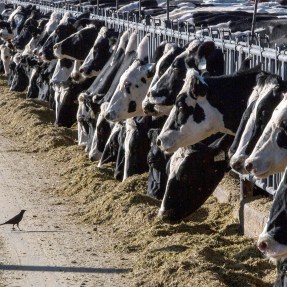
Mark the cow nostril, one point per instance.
(158, 142)
(40, 54)
(249, 166)
(55, 46)
(81, 70)
(262, 246)
(236, 165)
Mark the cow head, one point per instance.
(269, 89)
(269, 155)
(273, 240)
(130, 92)
(192, 118)
(100, 53)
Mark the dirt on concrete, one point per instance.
(207, 250)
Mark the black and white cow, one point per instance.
(157, 161)
(201, 56)
(205, 106)
(193, 176)
(101, 135)
(269, 155)
(171, 51)
(100, 53)
(270, 90)
(78, 45)
(132, 87)
(61, 32)
(273, 240)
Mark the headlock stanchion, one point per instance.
(273, 60)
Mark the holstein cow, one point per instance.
(202, 56)
(157, 161)
(129, 56)
(270, 89)
(171, 50)
(100, 85)
(273, 240)
(5, 57)
(205, 106)
(194, 173)
(100, 53)
(110, 152)
(78, 45)
(132, 87)
(136, 146)
(101, 135)
(269, 155)
(62, 31)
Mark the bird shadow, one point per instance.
(39, 231)
(73, 269)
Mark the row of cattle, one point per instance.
(174, 117)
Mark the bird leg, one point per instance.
(13, 228)
(18, 226)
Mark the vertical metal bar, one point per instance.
(167, 10)
(254, 20)
(140, 9)
(98, 7)
(117, 4)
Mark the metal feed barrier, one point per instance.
(274, 60)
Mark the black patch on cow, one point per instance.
(277, 223)
(229, 95)
(281, 137)
(143, 80)
(198, 114)
(132, 107)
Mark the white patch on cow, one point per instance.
(130, 130)
(274, 249)
(5, 57)
(142, 50)
(61, 74)
(132, 43)
(5, 35)
(94, 153)
(65, 18)
(17, 58)
(75, 74)
(53, 22)
(17, 10)
(267, 157)
(32, 75)
(191, 132)
(29, 48)
(258, 94)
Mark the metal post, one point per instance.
(98, 7)
(254, 20)
(140, 9)
(117, 5)
(167, 10)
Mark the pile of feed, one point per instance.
(207, 250)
